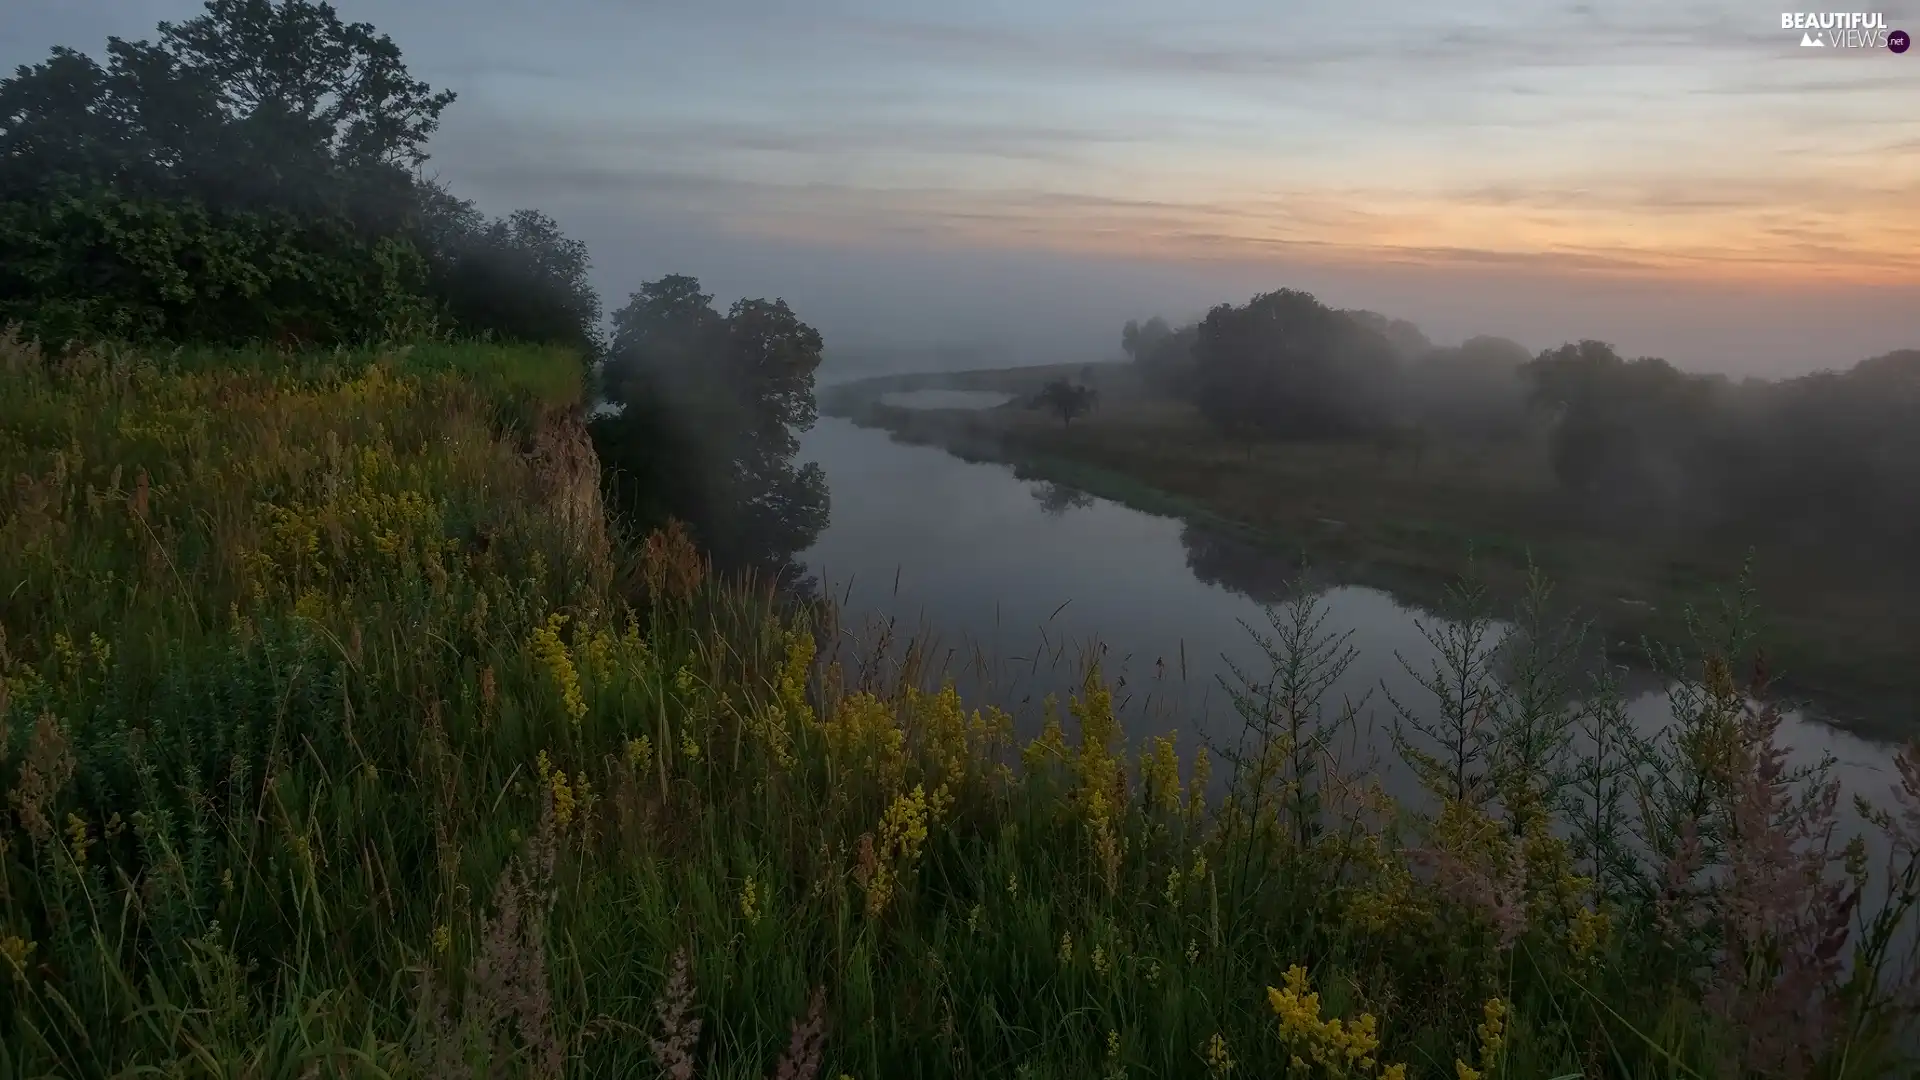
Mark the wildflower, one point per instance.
(1193, 952)
(442, 938)
(49, 765)
(552, 654)
(1199, 871)
(689, 747)
(750, 902)
(1013, 885)
(1589, 929)
(808, 1044)
(639, 753)
(1160, 774)
(1099, 960)
(1066, 948)
(556, 781)
(1173, 885)
(1397, 1071)
(77, 836)
(1153, 972)
(1342, 1046)
(1219, 1062)
(1464, 1071)
(973, 918)
(226, 881)
(679, 1033)
(1492, 1031)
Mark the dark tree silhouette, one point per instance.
(1066, 400)
(1288, 366)
(706, 434)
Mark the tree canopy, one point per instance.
(251, 173)
(720, 397)
(1286, 365)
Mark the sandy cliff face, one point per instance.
(566, 479)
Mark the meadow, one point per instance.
(1413, 515)
(344, 736)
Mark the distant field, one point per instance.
(1411, 516)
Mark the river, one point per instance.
(1014, 585)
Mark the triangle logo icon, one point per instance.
(1807, 40)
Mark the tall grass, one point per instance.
(340, 739)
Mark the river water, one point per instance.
(1012, 586)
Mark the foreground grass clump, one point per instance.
(334, 745)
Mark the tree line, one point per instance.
(1820, 457)
(256, 175)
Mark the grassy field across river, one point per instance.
(1411, 515)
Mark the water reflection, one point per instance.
(1015, 587)
(1056, 499)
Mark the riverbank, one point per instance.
(338, 737)
(1411, 519)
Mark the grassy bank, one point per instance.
(342, 739)
(1411, 517)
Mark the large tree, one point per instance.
(706, 432)
(1289, 366)
(252, 172)
(254, 102)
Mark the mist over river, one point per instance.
(1015, 585)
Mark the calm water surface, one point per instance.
(1016, 585)
(945, 399)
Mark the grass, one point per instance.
(1414, 518)
(342, 738)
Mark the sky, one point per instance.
(1011, 181)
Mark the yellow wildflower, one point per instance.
(552, 654)
(1099, 960)
(77, 836)
(1464, 1071)
(1492, 1032)
(639, 753)
(1066, 947)
(1219, 1062)
(750, 902)
(442, 938)
(1588, 931)
(15, 950)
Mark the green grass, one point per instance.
(341, 738)
(1413, 520)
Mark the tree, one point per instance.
(517, 277)
(711, 404)
(1474, 390)
(1164, 355)
(249, 173)
(1407, 339)
(1067, 400)
(253, 103)
(1626, 433)
(1288, 365)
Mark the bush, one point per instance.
(95, 264)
